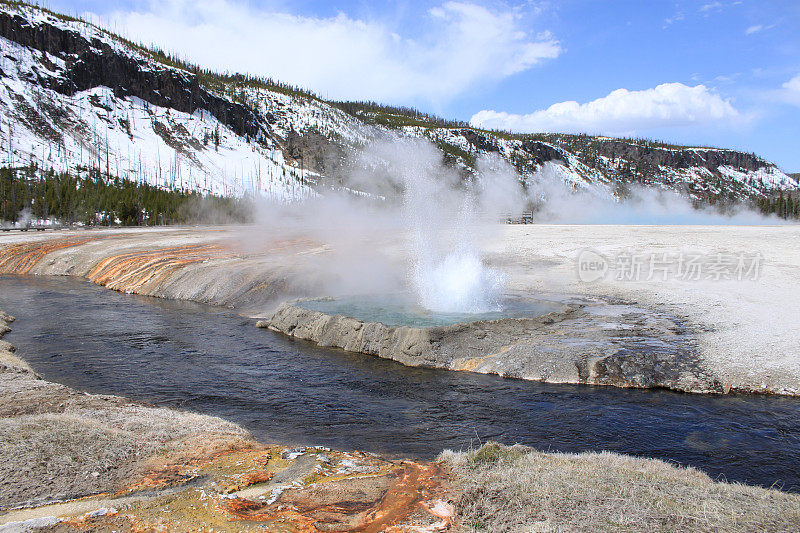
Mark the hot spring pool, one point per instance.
(395, 311)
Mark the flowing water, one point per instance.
(213, 361)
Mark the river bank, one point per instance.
(740, 332)
(73, 461)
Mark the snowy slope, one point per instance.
(61, 108)
(130, 137)
(699, 173)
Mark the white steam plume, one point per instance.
(420, 232)
(421, 228)
(561, 204)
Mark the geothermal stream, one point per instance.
(211, 360)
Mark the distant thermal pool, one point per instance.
(394, 311)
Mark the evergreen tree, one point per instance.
(91, 198)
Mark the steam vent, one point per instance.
(575, 341)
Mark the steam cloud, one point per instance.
(561, 204)
(445, 215)
(419, 229)
(417, 226)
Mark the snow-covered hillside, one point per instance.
(73, 96)
(127, 136)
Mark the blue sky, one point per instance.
(719, 73)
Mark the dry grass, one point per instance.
(154, 424)
(516, 489)
(67, 444)
(53, 456)
(11, 363)
(91, 448)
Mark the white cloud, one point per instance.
(793, 84)
(675, 18)
(758, 28)
(717, 6)
(787, 93)
(622, 112)
(713, 6)
(706, 10)
(342, 57)
(790, 91)
(730, 78)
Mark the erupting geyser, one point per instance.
(446, 214)
(435, 215)
(459, 283)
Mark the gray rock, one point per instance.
(594, 343)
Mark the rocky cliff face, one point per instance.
(75, 96)
(91, 62)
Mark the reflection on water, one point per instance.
(211, 360)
